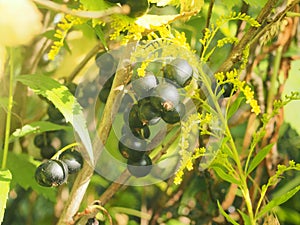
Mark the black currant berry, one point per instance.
(179, 71)
(132, 148)
(165, 97)
(106, 63)
(174, 115)
(94, 221)
(142, 133)
(54, 114)
(73, 159)
(51, 173)
(126, 101)
(41, 140)
(132, 119)
(137, 8)
(148, 114)
(47, 151)
(227, 89)
(143, 86)
(140, 168)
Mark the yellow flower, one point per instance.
(20, 22)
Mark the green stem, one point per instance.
(240, 171)
(9, 108)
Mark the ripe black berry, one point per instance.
(54, 114)
(41, 140)
(165, 97)
(148, 114)
(72, 159)
(143, 86)
(174, 115)
(179, 71)
(132, 119)
(47, 151)
(126, 101)
(106, 63)
(132, 148)
(140, 168)
(142, 133)
(227, 89)
(51, 173)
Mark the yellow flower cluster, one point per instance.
(187, 154)
(61, 32)
(121, 24)
(249, 94)
(232, 77)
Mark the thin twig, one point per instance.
(247, 38)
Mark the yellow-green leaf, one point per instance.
(5, 178)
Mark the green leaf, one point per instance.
(35, 128)
(22, 167)
(228, 218)
(259, 157)
(256, 3)
(100, 34)
(245, 217)
(5, 178)
(224, 175)
(67, 104)
(234, 107)
(278, 201)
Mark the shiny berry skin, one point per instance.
(106, 63)
(41, 140)
(47, 151)
(133, 118)
(175, 115)
(140, 168)
(148, 114)
(179, 71)
(165, 97)
(142, 133)
(51, 173)
(143, 86)
(132, 148)
(54, 114)
(227, 89)
(72, 159)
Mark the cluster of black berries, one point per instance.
(156, 101)
(137, 8)
(54, 172)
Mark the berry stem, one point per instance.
(9, 109)
(64, 149)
